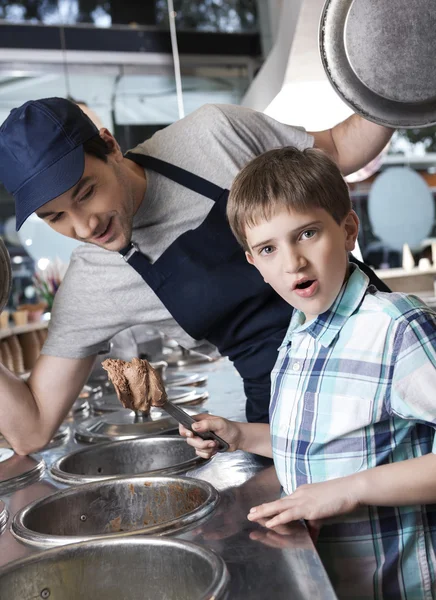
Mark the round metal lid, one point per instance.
(5, 275)
(182, 378)
(177, 395)
(125, 424)
(17, 471)
(379, 57)
(4, 516)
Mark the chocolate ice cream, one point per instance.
(137, 384)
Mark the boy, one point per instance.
(353, 391)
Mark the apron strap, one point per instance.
(181, 176)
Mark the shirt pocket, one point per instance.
(332, 436)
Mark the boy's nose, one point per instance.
(293, 262)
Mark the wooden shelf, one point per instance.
(18, 329)
(415, 272)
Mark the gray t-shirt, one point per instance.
(101, 294)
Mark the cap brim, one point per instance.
(51, 183)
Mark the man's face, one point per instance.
(303, 256)
(99, 209)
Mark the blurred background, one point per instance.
(123, 64)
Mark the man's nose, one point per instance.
(84, 226)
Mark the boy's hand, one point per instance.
(227, 430)
(311, 502)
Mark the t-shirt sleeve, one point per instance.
(261, 132)
(78, 307)
(413, 388)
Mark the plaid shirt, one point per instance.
(353, 389)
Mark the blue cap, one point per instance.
(41, 152)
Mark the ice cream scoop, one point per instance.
(137, 383)
(139, 386)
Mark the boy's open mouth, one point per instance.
(306, 289)
(305, 284)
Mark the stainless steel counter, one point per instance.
(262, 563)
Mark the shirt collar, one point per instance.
(326, 326)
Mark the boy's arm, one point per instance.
(399, 484)
(412, 397)
(255, 438)
(250, 437)
(353, 143)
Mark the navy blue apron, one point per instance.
(207, 285)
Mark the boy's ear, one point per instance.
(351, 228)
(249, 258)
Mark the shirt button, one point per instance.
(296, 366)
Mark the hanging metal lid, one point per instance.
(5, 275)
(379, 57)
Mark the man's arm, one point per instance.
(31, 411)
(353, 143)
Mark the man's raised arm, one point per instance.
(353, 143)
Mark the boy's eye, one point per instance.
(308, 234)
(266, 250)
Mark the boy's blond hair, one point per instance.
(286, 178)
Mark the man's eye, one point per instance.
(307, 235)
(266, 250)
(56, 218)
(88, 194)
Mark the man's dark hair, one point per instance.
(96, 146)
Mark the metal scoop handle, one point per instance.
(186, 420)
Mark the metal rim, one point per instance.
(22, 533)
(4, 516)
(216, 589)
(190, 396)
(84, 432)
(59, 437)
(23, 479)
(59, 474)
(5, 275)
(352, 91)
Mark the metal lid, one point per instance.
(4, 516)
(5, 275)
(177, 395)
(379, 57)
(17, 471)
(125, 424)
(182, 378)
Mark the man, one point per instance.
(184, 273)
